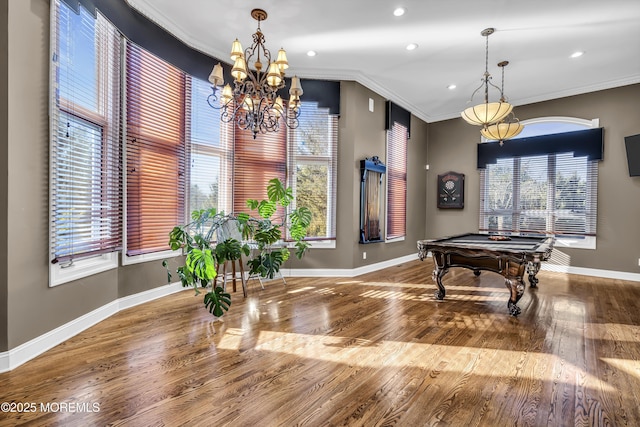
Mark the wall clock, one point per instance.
(451, 190)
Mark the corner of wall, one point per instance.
(4, 189)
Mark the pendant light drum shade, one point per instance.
(502, 131)
(487, 113)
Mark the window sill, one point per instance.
(316, 244)
(82, 268)
(155, 256)
(395, 239)
(576, 243)
(322, 244)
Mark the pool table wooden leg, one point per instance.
(516, 286)
(532, 270)
(437, 277)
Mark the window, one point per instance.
(155, 152)
(210, 176)
(397, 138)
(546, 193)
(85, 178)
(313, 167)
(255, 162)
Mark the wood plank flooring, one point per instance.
(376, 349)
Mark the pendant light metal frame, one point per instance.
(508, 127)
(486, 113)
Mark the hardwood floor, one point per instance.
(371, 350)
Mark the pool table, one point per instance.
(509, 256)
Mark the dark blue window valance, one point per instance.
(145, 33)
(589, 142)
(397, 114)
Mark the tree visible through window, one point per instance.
(313, 167)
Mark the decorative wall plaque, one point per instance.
(451, 190)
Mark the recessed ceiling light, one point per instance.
(399, 11)
(451, 87)
(411, 46)
(577, 54)
(311, 53)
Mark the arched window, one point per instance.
(551, 192)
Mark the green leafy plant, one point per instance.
(262, 232)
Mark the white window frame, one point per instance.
(293, 161)
(65, 272)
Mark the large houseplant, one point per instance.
(203, 253)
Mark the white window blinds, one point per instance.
(85, 175)
(156, 150)
(397, 138)
(545, 194)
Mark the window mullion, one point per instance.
(551, 193)
(515, 203)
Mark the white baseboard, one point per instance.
(346, 272)
(17, 356)
(594, 272)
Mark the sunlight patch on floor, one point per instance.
(231, 339)
(631, 367)
(398, 295)
(389, 295)
(365, 353)
(306, 288)
(612, 331)
(457, 297)
(398, 285)
(501, 289)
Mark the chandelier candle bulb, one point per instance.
(236, 50)
(227, 94)
(282, 62)
(216, 77)
(239, 70)
(296, 87)
(273, 77)
(278, 106)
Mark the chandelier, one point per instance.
(509, 126)
(253, 103)
(487, 113)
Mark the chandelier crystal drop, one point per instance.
(254, 102)
(486, 113)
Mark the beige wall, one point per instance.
(452, 146)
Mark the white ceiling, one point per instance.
(362, 40)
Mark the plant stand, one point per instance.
(233, 275)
